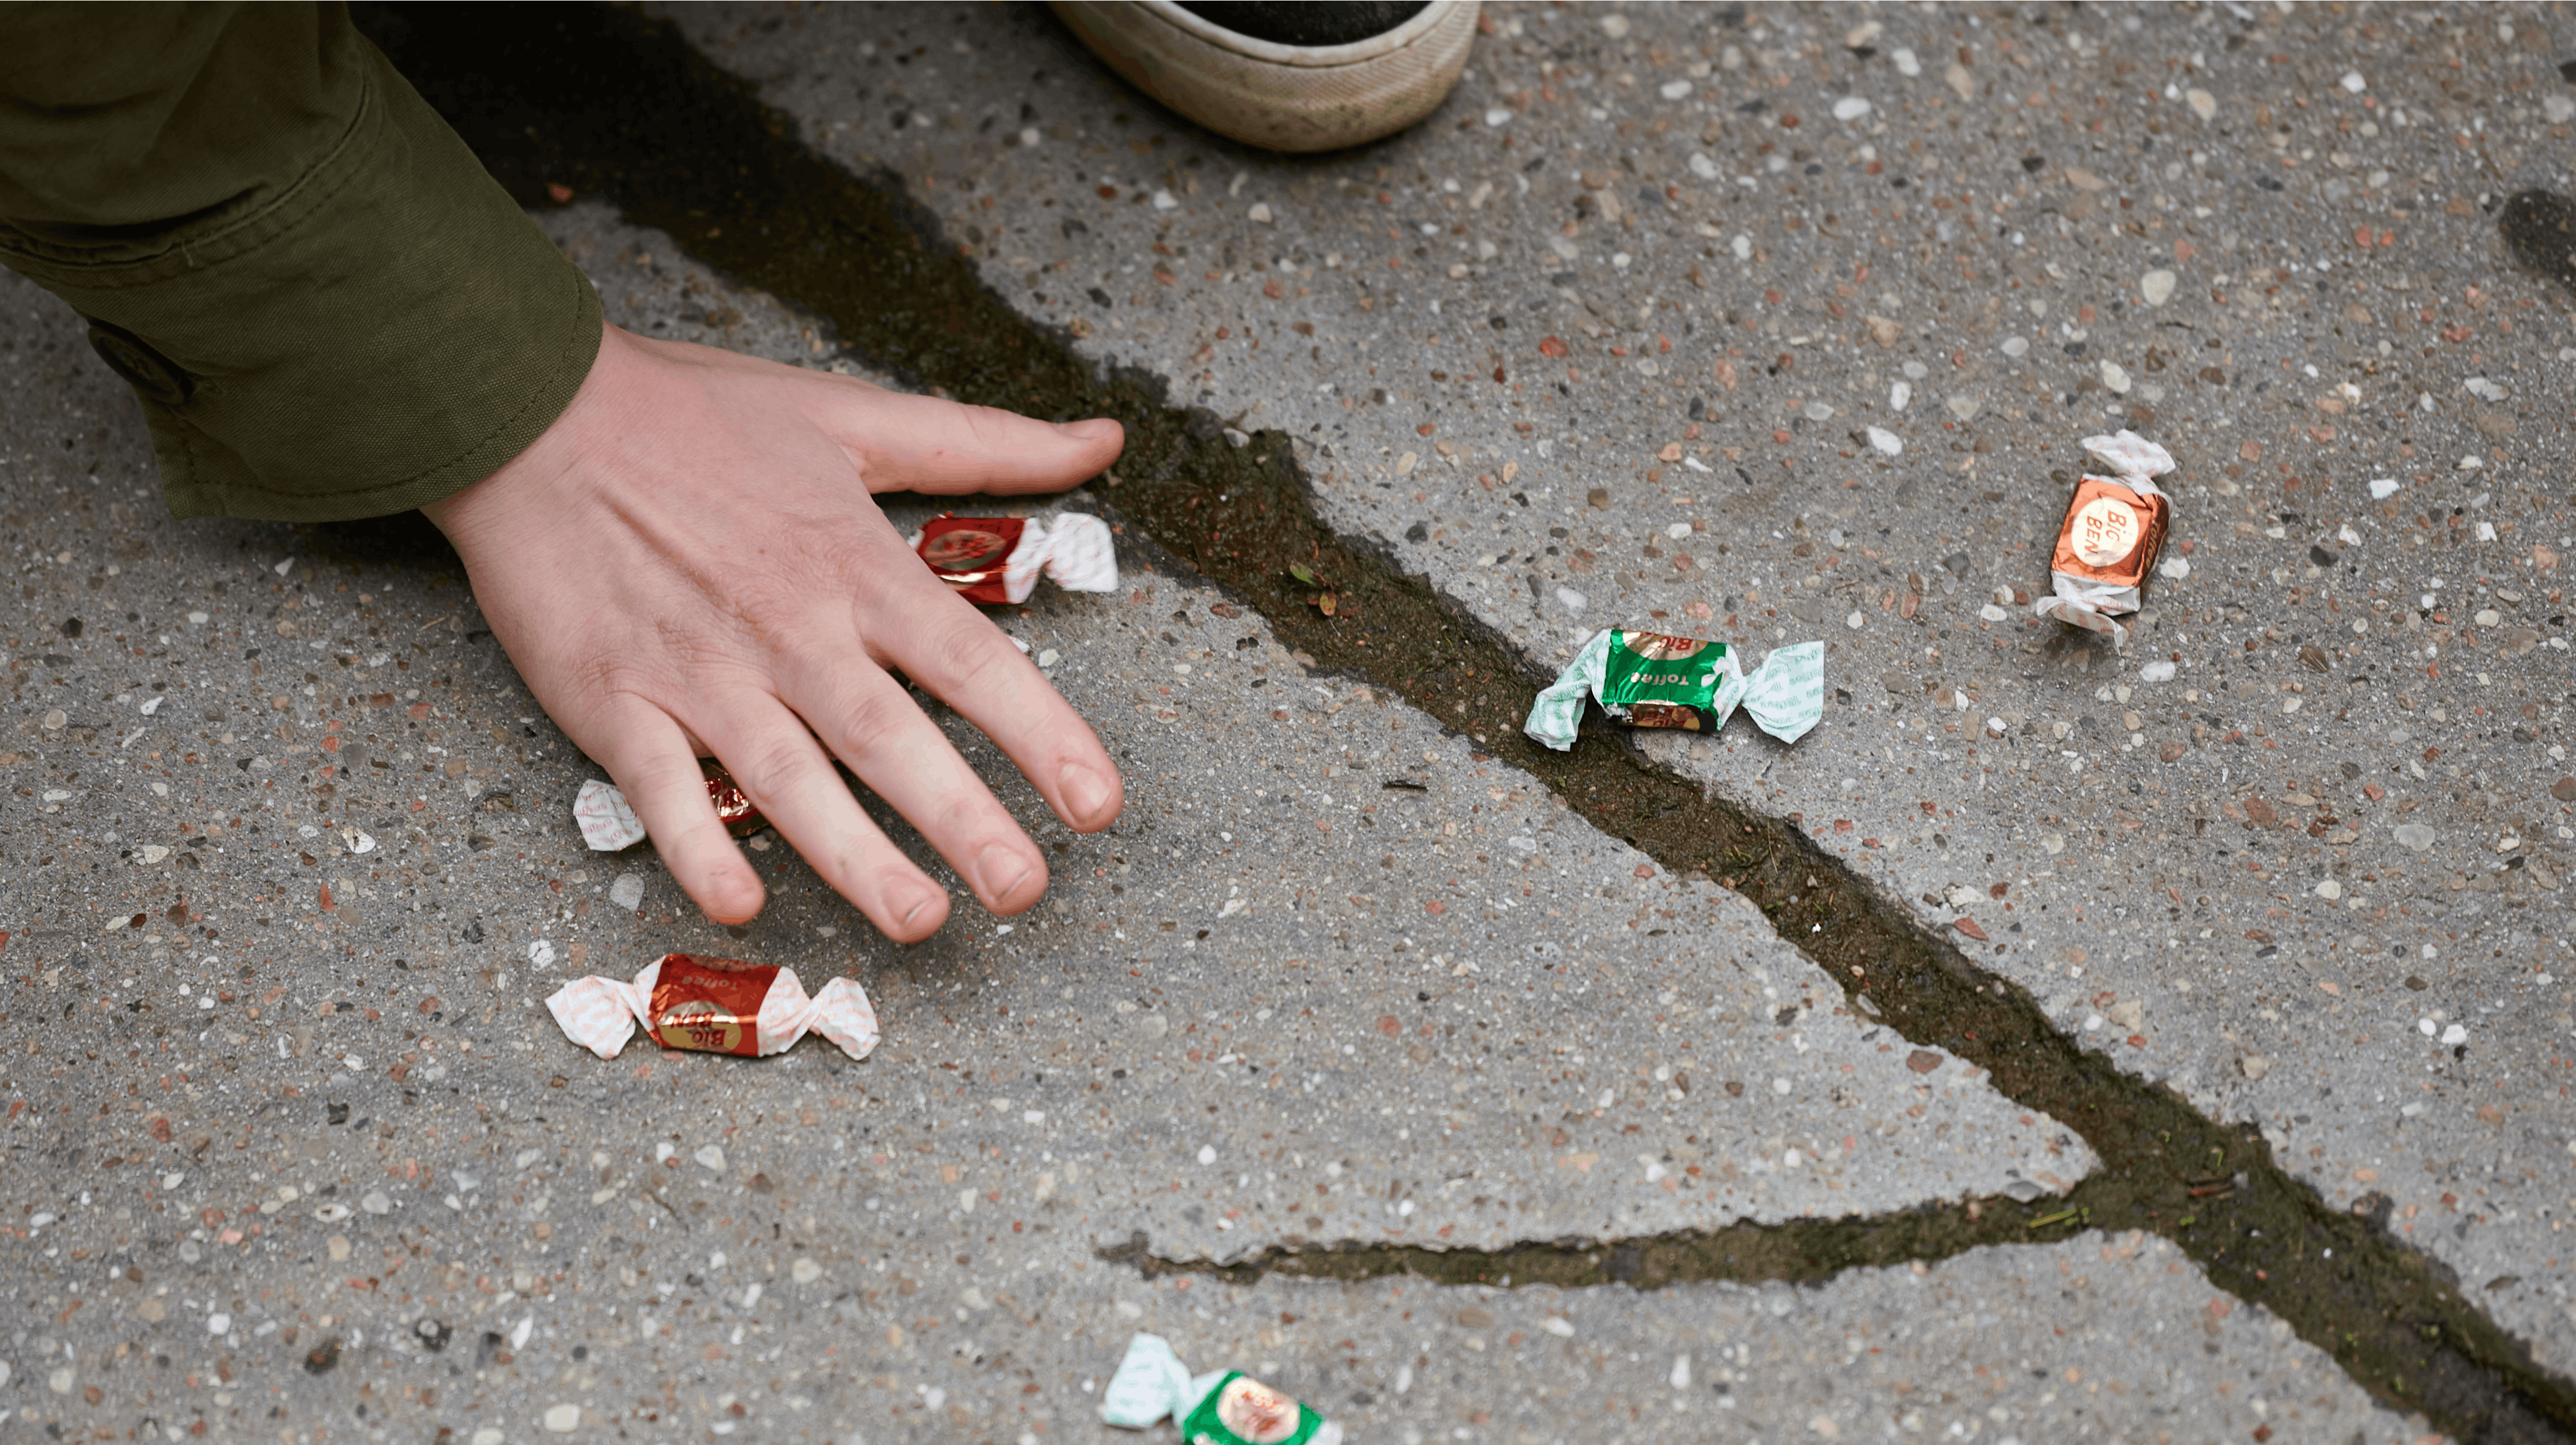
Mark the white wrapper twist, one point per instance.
(1073, 550)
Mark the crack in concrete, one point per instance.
(613, 104)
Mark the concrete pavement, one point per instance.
(361, 1183)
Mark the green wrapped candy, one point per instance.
(1227, 1407)
(1649, 679)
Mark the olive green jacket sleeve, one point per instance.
(326, 306)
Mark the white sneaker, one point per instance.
(1287, 97)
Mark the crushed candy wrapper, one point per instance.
(1226, 1407)
(716, 1006)
(608, 824)
(1650, 680)
(2114, 529)
(998, 559)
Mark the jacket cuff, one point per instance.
(384, 331)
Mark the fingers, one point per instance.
(655, 766)
(784, 773)
(921, 443)
(874, 726)
(966, 662)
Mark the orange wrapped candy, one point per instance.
(2113, 533)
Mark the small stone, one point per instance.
(2157, 286)
(1965, 408)
(2160, 670)
(628, 891)
(2253, 1066)
(1885, 442)
(805, 1271)
(2416, 836)
(1496, 115)
(55, 720)
(563, 1419)
(1923, 1061)
(710, 1156)
(1259, 214)
(1476, 1318)
(375, 1202)
(1851, 107)
(2564, 790)
(541, 954)
(219, 1323)
(1207, 1153)
(2353, 82)
(1615, 26)
(1559, 1326)
(2383, 488)
(2115, 377)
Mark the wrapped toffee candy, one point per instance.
(1226, 1407)
(733, 809)
(1649, 680)
(2114, 528)
(608, 824)
(716, 1006)
(998, 559)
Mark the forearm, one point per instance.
(326, 307)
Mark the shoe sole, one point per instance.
(1281, 97)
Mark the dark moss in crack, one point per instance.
(610, 103)
(2539, 228)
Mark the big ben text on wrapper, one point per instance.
(2113, 532)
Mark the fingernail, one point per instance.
(921, 906)
(1086, 792)
(1002, 869)
(1091, 427)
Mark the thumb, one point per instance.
(902, 442)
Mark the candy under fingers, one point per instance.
(609, 824)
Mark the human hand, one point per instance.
(691, 560)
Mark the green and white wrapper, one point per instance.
(1223, 1407)
(1648, 679)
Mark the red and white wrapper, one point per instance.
(607, 824)
(994, 560)
(716, 1006)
